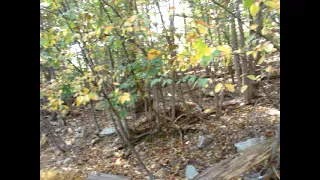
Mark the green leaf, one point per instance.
(248, 3)
(102, 105)
(155, 81)
(192, 79)
(118, 43)
(123, 114)
(202, 82)
(185, 78)
(252, 77)
(261, 60)
(167, 81)
(72, 24)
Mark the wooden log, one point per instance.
(238, 164)
(102, 176)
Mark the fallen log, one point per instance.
(102, 176)
(239, 163)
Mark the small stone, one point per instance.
(58, 130)
(78, 129)
(107, 131)
(68, 161)
(54, 123)
(241, 146)
(74, 124)
(69, 130)
(79, 135)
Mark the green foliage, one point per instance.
(128, 53)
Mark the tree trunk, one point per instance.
(247, 95)
(235, 56)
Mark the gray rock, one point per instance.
(68, 161)
(203, 141)
(79, 135)
(191, 172)
(58, 130)
(107, 131)
(79, 129)
(241, 146)
(74, 124)
(54, 123)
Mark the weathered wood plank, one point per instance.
(237, 164)
(102, 176)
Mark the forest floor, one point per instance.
(164, 153)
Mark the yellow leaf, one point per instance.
(79, 100)
(244, 88)
(253, 26)
(269, 69)
(272, 4)
(261, 60)
(116, 91)
(254, 54)
(248, 53)
(226, 49)
(119, 162)
(153, 53)
(252, 77)
(85, 91)
(193, 61)
(237, 51)
(203, 30)
(191, 36)
(124, 97)
(209, 110)
(254, 9)
(218, 88)
(100, 82)
(117, 154)
(229, 87)
(98, 68)
(108, 29)
(115, 83)
(86, 99)
(208, 51)
(94, 96)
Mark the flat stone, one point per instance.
(107, 131)
(241, 146)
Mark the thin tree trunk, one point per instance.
(235, 56)
(157, 108)
(247, 95)
(94, 118)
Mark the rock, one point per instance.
(68, 161)
(79, 129)
(54, 123)
(79, 135)
(107, 131)
(160, 173)
(191, 172)
(74, 124)
(241, 146)
(69, 130)
(186, 137)
(58, 130)
(203, 141)
(94, 141)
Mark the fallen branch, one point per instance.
(239, 163)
